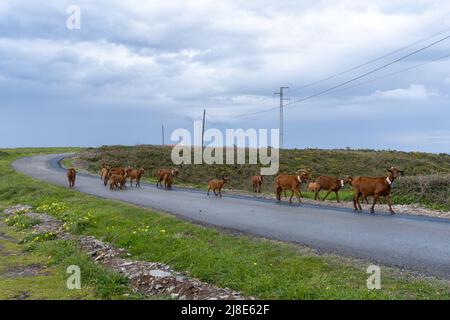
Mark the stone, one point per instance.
(159, 273)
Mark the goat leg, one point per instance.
(388, 200)
(278, 194)
(356, 204)
(299, 196)
(328, 193)
(375, 199)
(359, 203)
(292, 194)
(316, 195)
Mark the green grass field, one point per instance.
(256, 267)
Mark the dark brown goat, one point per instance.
(114, 171)
(136, 175)
(128, 171)
(284, 182)
(168, 181)
(217, 185)
(162, 172)
(257, 182)
(375, 187)
(117, 181)
(330, 184)
(71, 176)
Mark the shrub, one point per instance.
(429, 190)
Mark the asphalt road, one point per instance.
(410, 242)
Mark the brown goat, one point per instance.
(104, 172)
(284, 182)
(117, 181)
(375, 187)
(162, 172)
(128, 171)
(217, 185)
(330, 184)
(119, 171)
(257, 182)
(312, 187)
(71, 176)
(168, 181)
(136, 175)
(114, 171)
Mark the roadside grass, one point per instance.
(256, 267)
(38, 270)
(21, 221)
(67, 162)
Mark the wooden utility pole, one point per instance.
(162, 134)
(203, 127)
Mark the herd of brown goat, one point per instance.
(117, 177)
(365, 187)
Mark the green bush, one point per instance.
(432, 190)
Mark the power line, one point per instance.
(370, 72)
(370, 61)
(394, 73)
(353, 79)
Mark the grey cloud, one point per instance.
(169, 60)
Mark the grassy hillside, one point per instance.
(427, 179)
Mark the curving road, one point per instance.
(410, 242)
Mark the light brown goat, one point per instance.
(257, 182)
(330, 184)
(312, 187)
(162, 172)
(136, 175)
(104, 172)
(217, 185)
(284, 182)
(71, 176)
(375, 187)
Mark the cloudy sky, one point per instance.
(135, 65)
